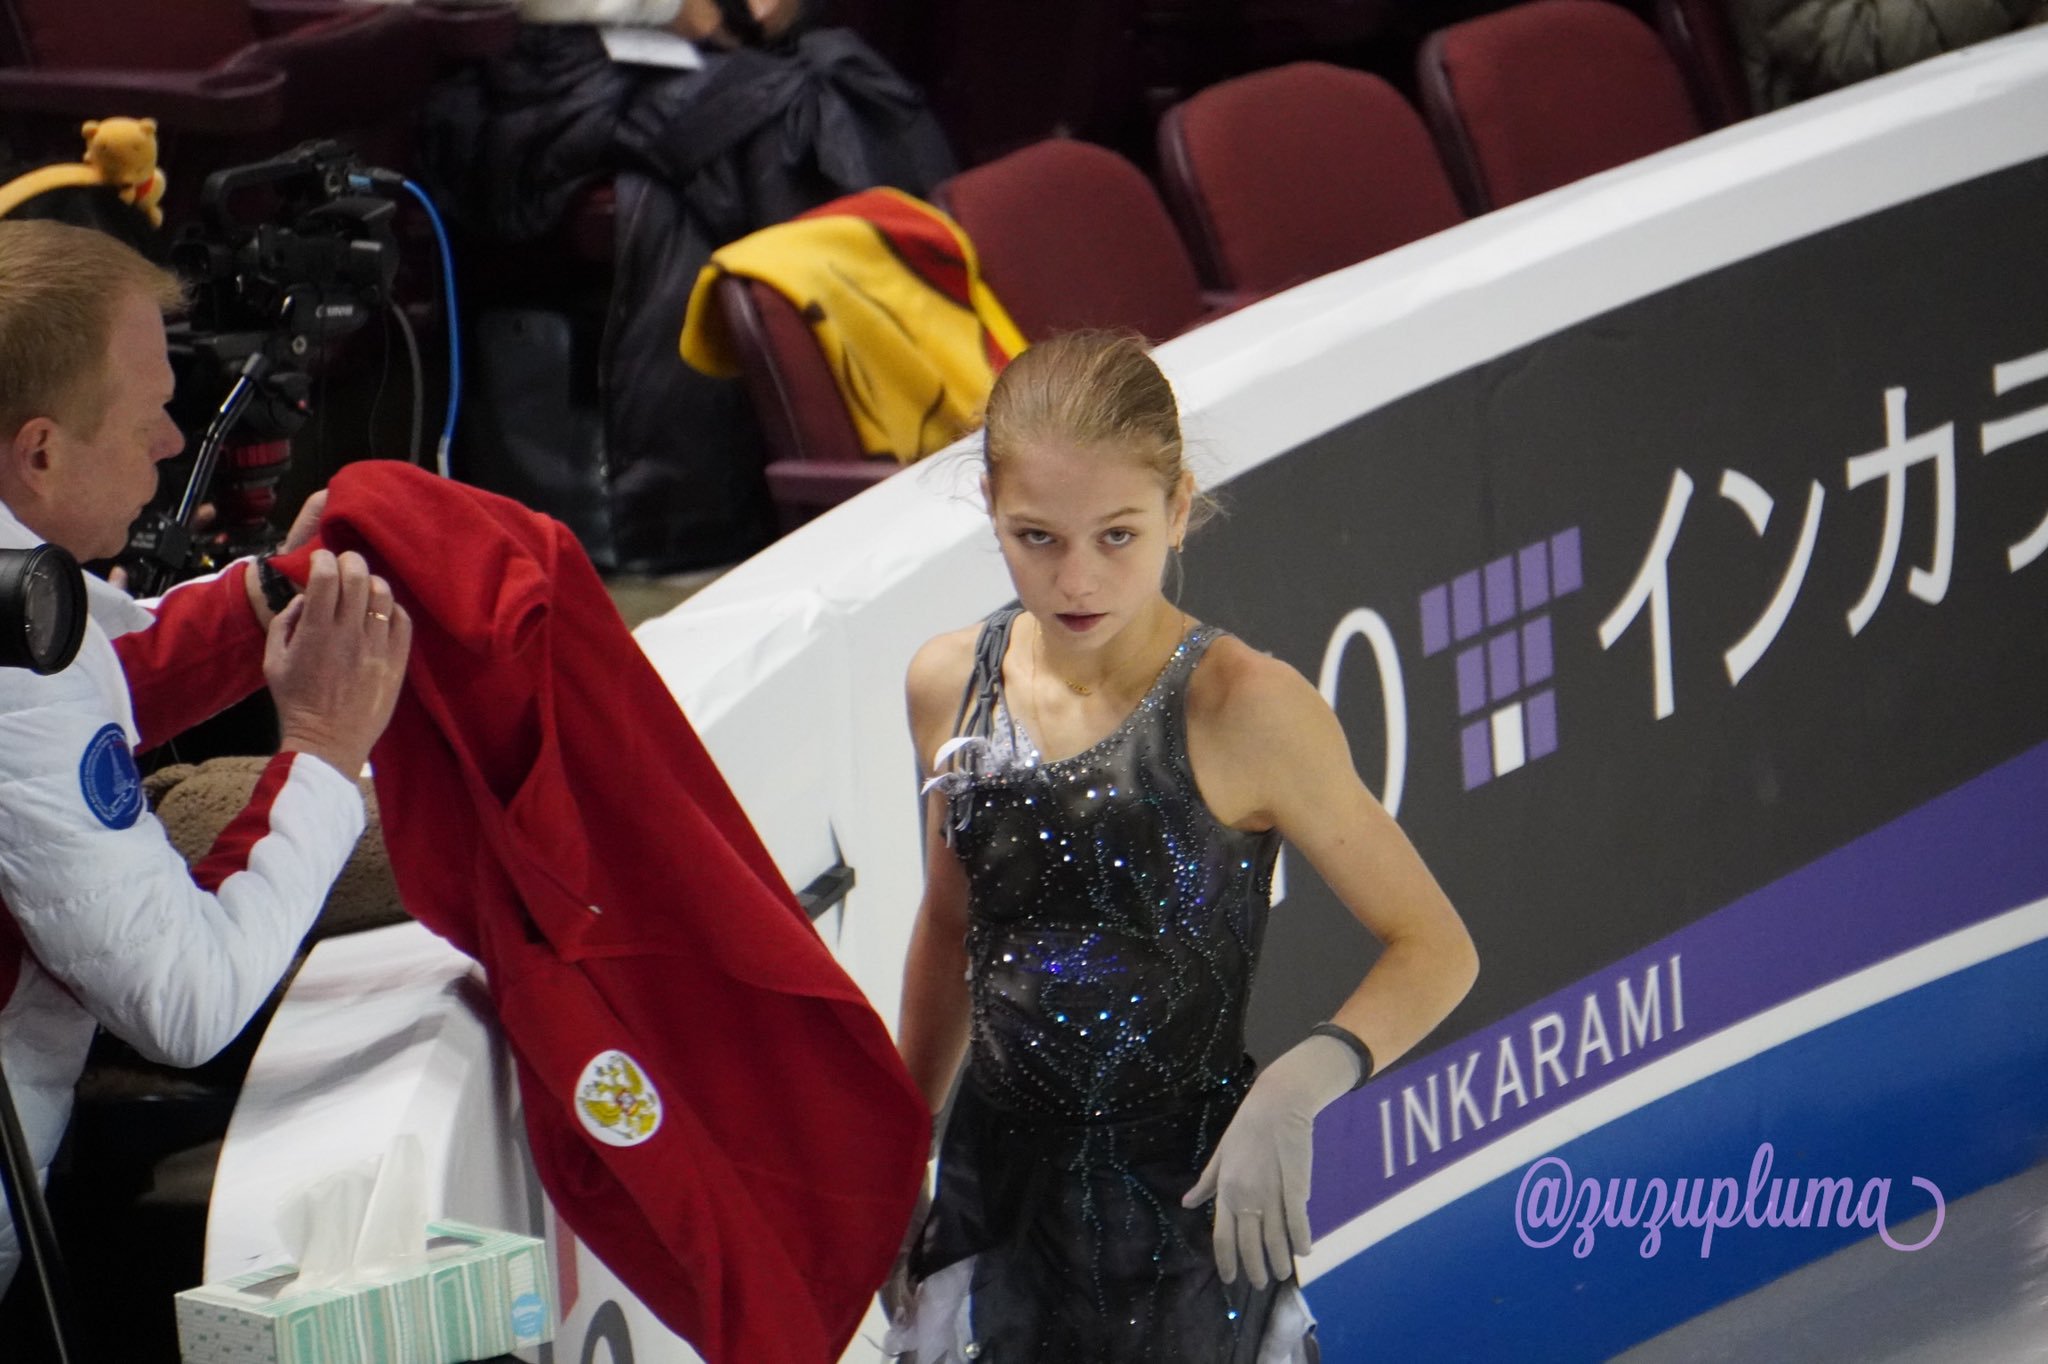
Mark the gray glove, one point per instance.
(1259, 1172)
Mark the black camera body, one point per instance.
(292, 255)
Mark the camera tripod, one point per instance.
(33, 1230)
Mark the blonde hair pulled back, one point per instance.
(1095, 389)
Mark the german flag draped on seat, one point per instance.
(892, 291)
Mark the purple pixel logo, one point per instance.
(1497, 614)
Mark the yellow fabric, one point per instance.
(910, 361)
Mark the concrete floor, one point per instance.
(1978, 1295)
(640, 598)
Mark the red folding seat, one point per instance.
(1068, 235)
(1287, 174)
(1072, 236)
(1530, 98)
(815, 459)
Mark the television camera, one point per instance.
(292, 255)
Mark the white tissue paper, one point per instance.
(359, 1223)
(374, 1280)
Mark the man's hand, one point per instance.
(335, 659)
(306, 524)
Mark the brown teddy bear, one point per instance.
(196, 803)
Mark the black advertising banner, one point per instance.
(1659, 610)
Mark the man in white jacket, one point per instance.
(101, 921)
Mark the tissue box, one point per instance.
(481, 1293)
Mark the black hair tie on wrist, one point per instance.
(1351, 1040)
(278, 590)
(741, 24)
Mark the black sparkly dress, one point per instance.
(1113, 929)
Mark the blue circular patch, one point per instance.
(107, 776)
(529, 1318)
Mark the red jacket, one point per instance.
(750, 1166)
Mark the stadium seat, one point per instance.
(1069, 235)
(1073, 236)
(1287, 174)
(1530, 98)
(815, 459)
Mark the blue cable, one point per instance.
(441, 454)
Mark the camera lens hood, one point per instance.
(42, 608)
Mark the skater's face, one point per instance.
(1086, 531)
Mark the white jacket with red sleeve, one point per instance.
(103, 921)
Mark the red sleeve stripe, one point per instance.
(203, 653)
(231, 851)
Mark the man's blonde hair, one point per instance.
(59, 287)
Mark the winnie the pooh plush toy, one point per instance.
(119, 152)
(123, 151)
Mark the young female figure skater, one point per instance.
(1112, 782)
